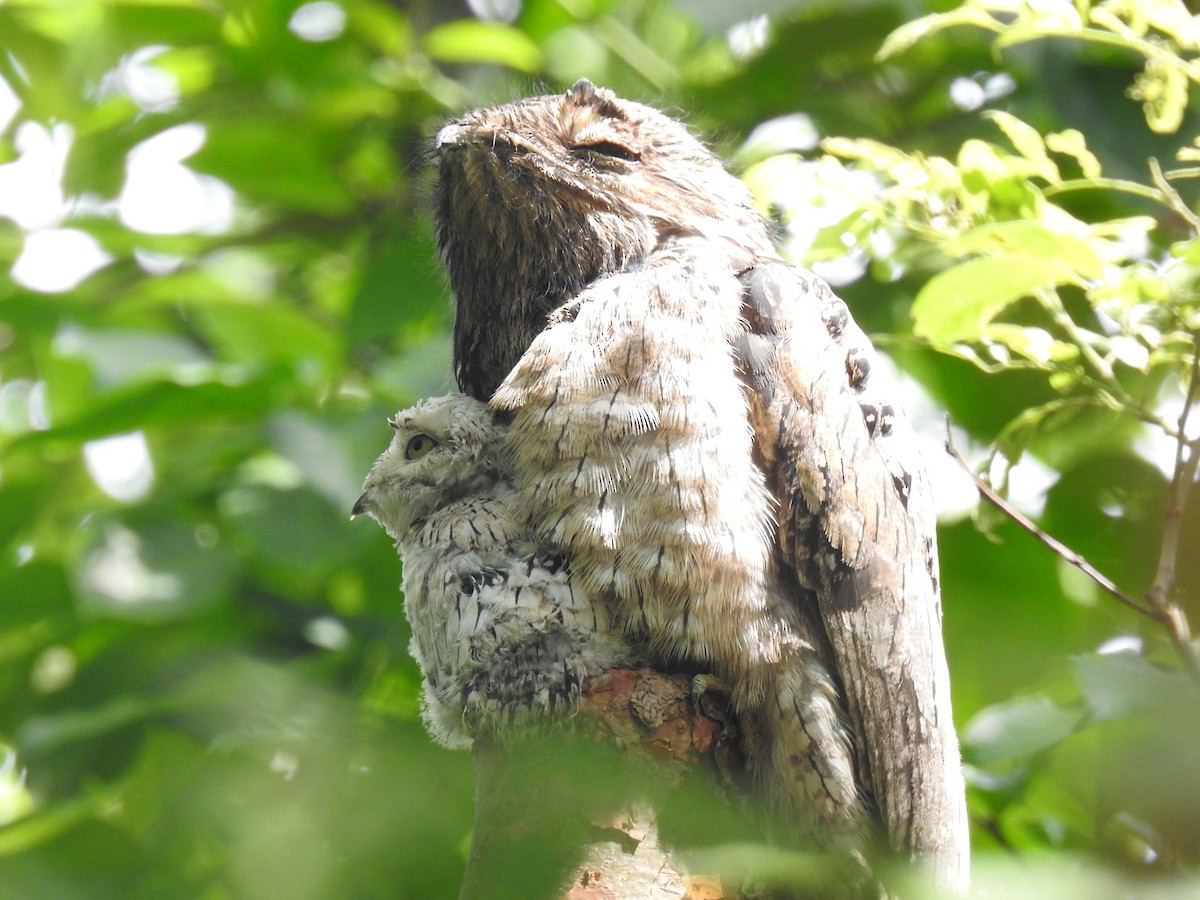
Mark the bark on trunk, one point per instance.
(580, 812)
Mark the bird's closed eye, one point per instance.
(418, 445)
(608, 148)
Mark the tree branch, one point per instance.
(587, 810)
(1160, 608)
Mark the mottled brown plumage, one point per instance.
(701, 425)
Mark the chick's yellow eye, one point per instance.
(418, 446)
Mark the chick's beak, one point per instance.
(360, 506)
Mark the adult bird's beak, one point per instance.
(450, 135)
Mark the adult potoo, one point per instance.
(702, 426)
(501, 634)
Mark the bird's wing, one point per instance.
(856, 522)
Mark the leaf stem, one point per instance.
(1107, 184)
(1129, 41)
(1053, 304)
(1174, 201)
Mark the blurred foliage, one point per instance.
(225, 279)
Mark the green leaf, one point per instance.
(382, 27)
(401, 284)
(17, 499)
(69, 726)
(1072, 143)
(957, 304)
(1188, 251)
(1017, 729)
(156, 571)
(192, 68)
(1035, 421)
(252, 332)
(1027, 141)
(157, 403)
(44, 826)
(1115, 685)
(470, 40)
(910, 33)
(33, 593)
(1028, 238)
(119, 356)
(1028, 342)
(274, 160)
(296, 537)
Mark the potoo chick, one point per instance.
(704, 429)
(501, 634)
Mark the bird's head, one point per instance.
(537, 198)
(443, 449)
(598, 156)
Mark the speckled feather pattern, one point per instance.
(707, 433)
(857, 526)
(633, 446)
(501, 633)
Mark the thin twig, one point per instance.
(1174, 201)
(1161, 593)
(1169, 615)
(1053, 303)
(1059, 548)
